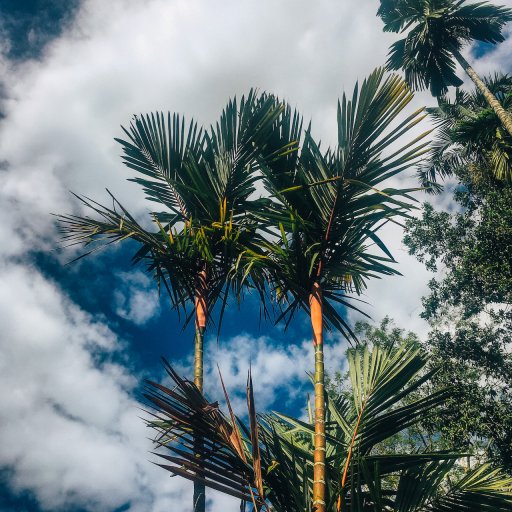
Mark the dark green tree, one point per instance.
(475, 362)
(469, 309)
(473, 247)
(437, 30)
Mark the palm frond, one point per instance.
(159, 148)
(435, 31)
(470, 135)
(482, 489)
(329, 205)
(274, 456)
(182, 416)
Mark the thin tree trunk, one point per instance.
(315, 302)
(198, 357)
(200, 310)
(504, 116)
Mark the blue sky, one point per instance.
(29, 25)
(77, 340)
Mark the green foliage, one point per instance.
(387, 336)
(384, 399)
(475, 361)
(470, 248)
(328, 206)
(435, 30)
(474, 248)
(202, 182)
(470, 138)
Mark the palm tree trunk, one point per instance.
(199, 503)
(198, 357)
(315, 302)
(504, 116)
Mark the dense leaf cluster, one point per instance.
(474, 249)
(436, 32)
(470, 141)
(270, 465)
(469, 304)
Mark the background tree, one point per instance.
(475, 361)
(469, 246)
(469, 310)
(470, 138)
(437, 30)
(475, 365)
(475, 251)
(330, 211)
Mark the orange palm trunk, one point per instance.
(199, 503)
(200, 310)
(315, 302)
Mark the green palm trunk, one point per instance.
(319, 453)
(502, 114)
(198, 357)
(319, 442)
(200, 310)
(199, 488)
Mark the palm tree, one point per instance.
(203, 180)
(269, 463)
(436, 32)
(330, 211)
(470, 136)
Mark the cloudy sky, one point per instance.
(77, 340)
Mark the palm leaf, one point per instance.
(274, 455)
(329, 205)
(182, 415)
(435, 31)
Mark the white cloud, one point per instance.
(398, 297)
(121, 58)
(498, 59)
(136, 298)
(279, 370)
(68, 422)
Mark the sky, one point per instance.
(77, 340)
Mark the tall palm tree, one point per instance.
(203, 181)
(330, 211)
(268, 463)
(437, 30)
